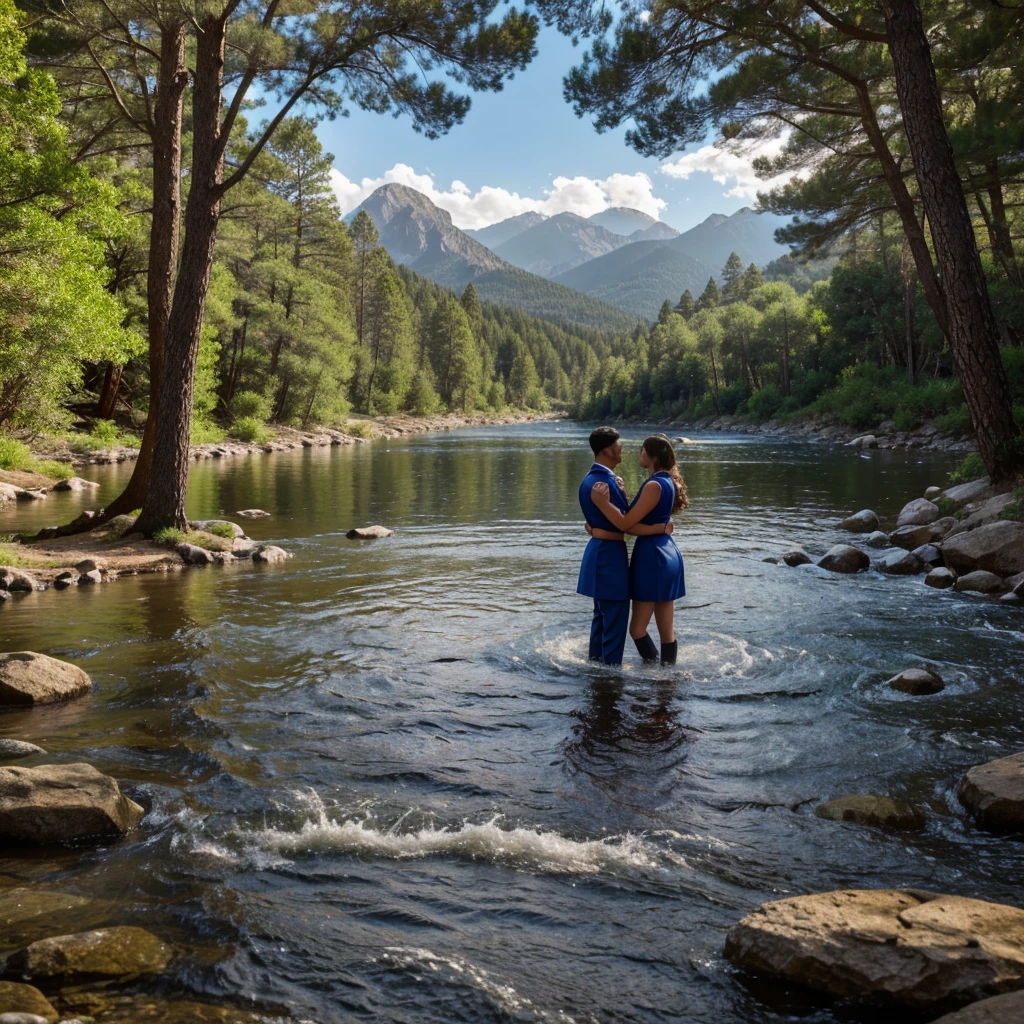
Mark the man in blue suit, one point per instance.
(604, 574)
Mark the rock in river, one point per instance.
(900, 563)
(369, 533)
(24, 1000)
(919, 512)
(796, 557)
(861, 522)
(193, 554)
(997, 547)
(30, 678)
(877, 539)
(1005, 1009)
(18, 581)
(844, 558)
(270, 554)
(941, 579)
(929, 554)
(253, 513)
(981, 582)
(60, 803)
(879, 811)
(10, 750)
(918, 682)
(894, 947)
(911, 537)
(118, 953)
(994, 794)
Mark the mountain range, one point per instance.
(604, 271)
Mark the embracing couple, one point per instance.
(654, 577)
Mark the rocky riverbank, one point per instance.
(289, 439)
(926, 437)
(64, 956)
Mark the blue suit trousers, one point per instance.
(608, 631)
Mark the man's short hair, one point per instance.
(601, 438)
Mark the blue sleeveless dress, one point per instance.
(656, 568)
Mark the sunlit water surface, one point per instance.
(384, 784)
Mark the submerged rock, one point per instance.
(919, 512)
(981, 582)
(30, 678)
(12, 749)
(918, 682)
(844, 558)
(887, 947)
(369, 533)
(270, 555)
(145, 1009)
(864, 521)
(61, 803)
(796, 557)
(878, 811)
(994, 794)
(120, 953)
(1004, 1009)
(17, 1000)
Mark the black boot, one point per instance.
(668, 653)
(645, 647)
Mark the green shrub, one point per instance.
(222, 530)
(904, 419)
(204, 432)
(765, 402)
(105, 432)
(14, 454)
(55, 470)
(1015, 510)
(249, 429)
(957, 422)
(250, 403)
(972, 468)
(385, 403)
(730, 398)
(169, 536)
(357, 429)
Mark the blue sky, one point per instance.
(524, 148)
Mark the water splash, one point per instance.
(518, 848)
(456, 970)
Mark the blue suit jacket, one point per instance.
(604, 574)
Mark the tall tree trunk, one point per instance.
(714, 377)
(108, 395)
(910, 313)
(164, 239)
(785, 352)
(971, 326)
(164, 504)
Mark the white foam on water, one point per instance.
(518, 848)
(456, 969)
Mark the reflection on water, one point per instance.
(384, 784)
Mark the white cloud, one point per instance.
(490, 204)
(731, 162)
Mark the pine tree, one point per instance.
(687, 307)
(732, 275)
(709, 297)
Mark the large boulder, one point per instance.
(990, 511)
(369, 533)
(919, 512)
(270, 554)
(994, 794)
(120, 954)
(861, 522)
(61, 803)
(30, 678)
(981, 582)
(900, 563)
(16, 998)
(891, 947)
(918, 682)
(878, 811)
(1005, 1009)
(844, 558)
(911, 537)
(996, 547)
(972, 491)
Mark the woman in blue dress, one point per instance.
(656, 569)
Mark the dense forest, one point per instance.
(170, 268)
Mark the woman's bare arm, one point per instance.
(645, 503)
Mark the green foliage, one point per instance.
(250, 430)
(356, 429)
(1015, 510)
(250, 404)
(205, 433)
(169, 537)
(972, 468)
(222, 530)
(13, 555)
(117, 527)
(957, 421)
(14, 454)
(53, 469)
(105, 433)
(765, 402)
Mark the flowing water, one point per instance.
(384, 784)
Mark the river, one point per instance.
(384, 784)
